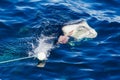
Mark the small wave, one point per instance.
(86, 69)
(24, 7)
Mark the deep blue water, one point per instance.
(22, 22)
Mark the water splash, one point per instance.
(45, 44)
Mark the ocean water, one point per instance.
(25, 25)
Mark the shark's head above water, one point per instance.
(78, 31)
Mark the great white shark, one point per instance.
(77, 31)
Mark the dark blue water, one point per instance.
(23, 21)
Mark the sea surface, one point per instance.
(27, 26)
